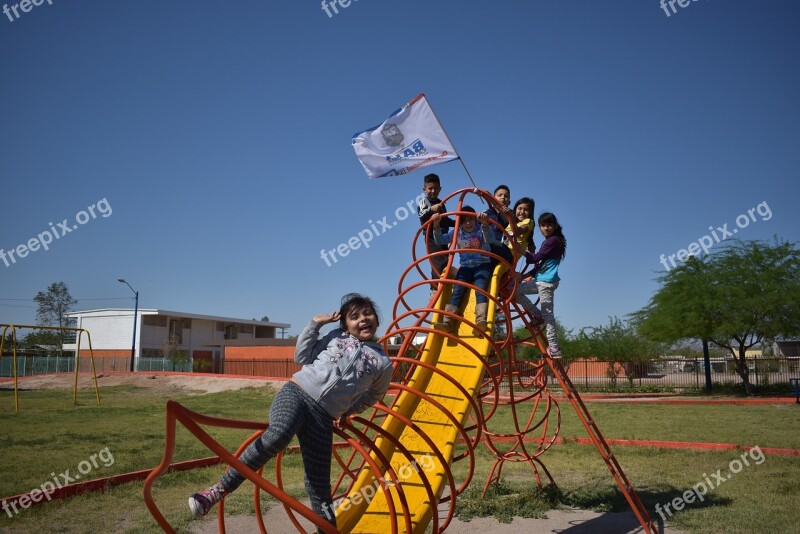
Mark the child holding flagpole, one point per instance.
(429, 206)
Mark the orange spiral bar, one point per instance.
(396, 463)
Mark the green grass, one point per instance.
(771, 425)
(49, 435)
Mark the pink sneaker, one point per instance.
(554, 353)
(200, 503)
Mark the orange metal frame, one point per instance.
(526, 384)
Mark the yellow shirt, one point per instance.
(523, 235)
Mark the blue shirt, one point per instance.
(547, 260)
(478, 238)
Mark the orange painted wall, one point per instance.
(590, 367)
(259, 353)
(107, 353)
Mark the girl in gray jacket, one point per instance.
(344, 372)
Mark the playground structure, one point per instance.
(79, 335)
(396, 464)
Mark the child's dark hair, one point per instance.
(549, 218)
(468, 208)
(431, 179)
(525, 200)
(501, 186)
(352, 302)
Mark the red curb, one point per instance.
(692, 445)
(98, 484)
(711, 402)
(653, 399)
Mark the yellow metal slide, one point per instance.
(365, 509)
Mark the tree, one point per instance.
(619, 343)
(746, 293)
(527, 352)
(173, 353)
(51, 309)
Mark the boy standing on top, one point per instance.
(428, 206)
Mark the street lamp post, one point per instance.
(135, 314)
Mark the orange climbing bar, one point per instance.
(396, 463)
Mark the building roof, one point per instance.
(152, 311)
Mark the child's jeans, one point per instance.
(477, 276)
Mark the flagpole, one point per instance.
(465, 168)
(453, 145)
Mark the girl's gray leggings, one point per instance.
(294, 412)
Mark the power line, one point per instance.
(108, 298)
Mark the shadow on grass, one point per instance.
(505, 500)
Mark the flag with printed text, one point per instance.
(410, 139)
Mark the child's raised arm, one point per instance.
(309, 344)
(325, 318)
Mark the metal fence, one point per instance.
(683, 372)
(274, 368)
(28, 365)
(593, 373)
(161, 364)
(36, 365)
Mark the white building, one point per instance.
(192, 338)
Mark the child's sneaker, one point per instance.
(554, 353)
(200, 503)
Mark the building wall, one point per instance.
(153, 336)
(202, 331)
(108, 332)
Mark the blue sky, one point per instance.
(219, 135)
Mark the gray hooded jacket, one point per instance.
(344, 375)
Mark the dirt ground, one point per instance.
(557, 521)
(168, 383)
(276, 520)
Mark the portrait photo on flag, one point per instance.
(410, 139)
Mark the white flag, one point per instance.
(411, 138)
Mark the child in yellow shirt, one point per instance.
(523, 216)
